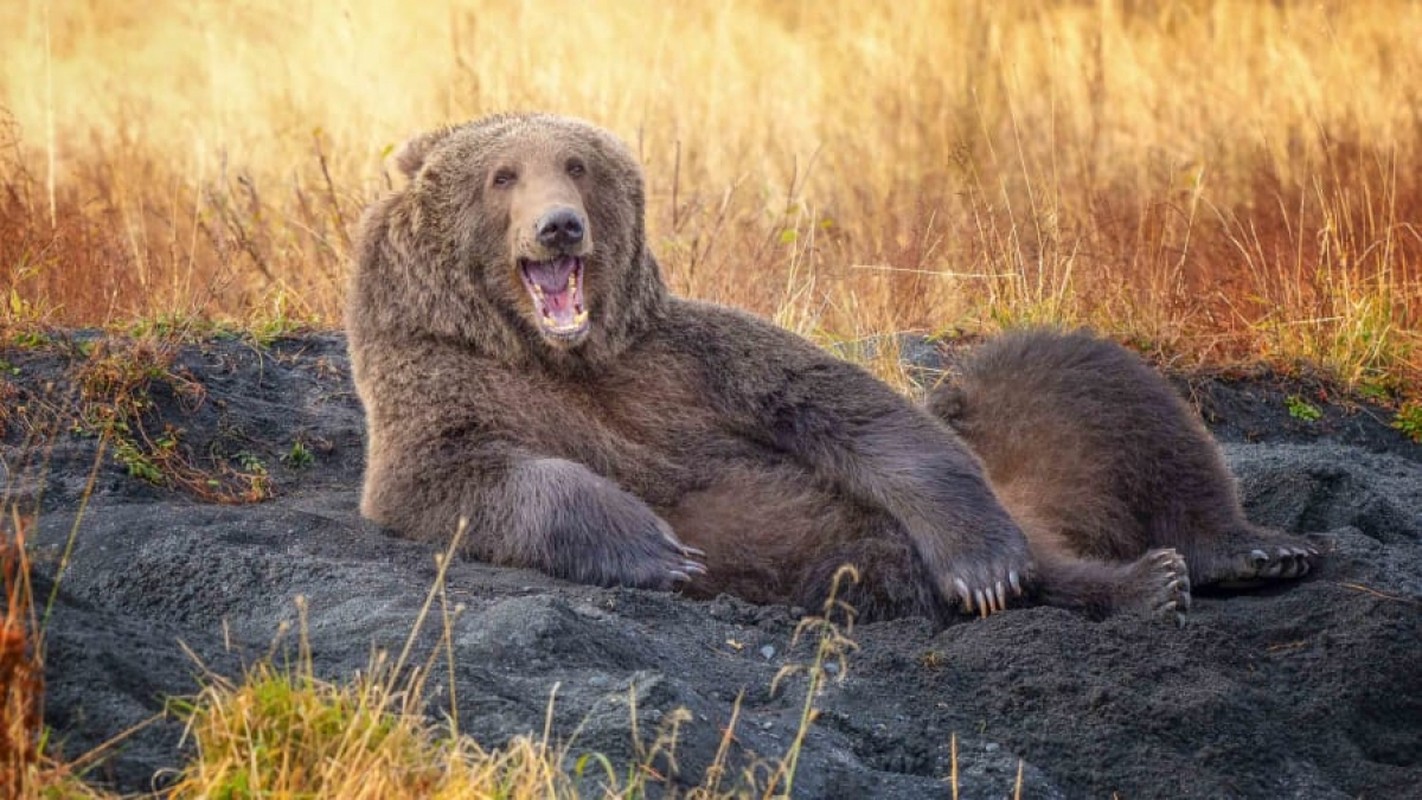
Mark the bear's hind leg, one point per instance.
(1156, 585)
(1245, 555)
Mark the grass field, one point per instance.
(1215, 181)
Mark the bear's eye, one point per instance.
(576, 168)
(504, 178)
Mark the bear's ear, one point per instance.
(413, 153)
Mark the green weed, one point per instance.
(1301, 409)
(299, 456)
(1409, 420)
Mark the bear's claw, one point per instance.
(1173, 598)
(990, 599)
(1255, 555)
(1278, 562)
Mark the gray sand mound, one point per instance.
(1312, 690)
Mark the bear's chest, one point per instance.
(649, 429)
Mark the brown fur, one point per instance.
(1107, 470)
(669, 432)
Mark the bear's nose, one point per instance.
(560, 228)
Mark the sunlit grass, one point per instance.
(1223, 179)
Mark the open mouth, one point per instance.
(556, 287)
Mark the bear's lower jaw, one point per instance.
(568, 336)
(556, 288)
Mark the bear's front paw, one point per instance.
(984, 590)
(984, 578)
(611, 538)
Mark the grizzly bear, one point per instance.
(523, 366)
(1100, 460)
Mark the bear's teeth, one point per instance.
(579, 319)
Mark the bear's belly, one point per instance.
(761, 525)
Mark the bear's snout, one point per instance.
(560, 229)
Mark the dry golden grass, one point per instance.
(289, 734)
(1218, 179)
(285, 733)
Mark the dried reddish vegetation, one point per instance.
(1218, 180)
(21, 668)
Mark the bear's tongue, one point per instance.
(557, 291)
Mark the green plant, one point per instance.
(251, 462)
(1409, 420)
(276, 318)
(299, 456)
(31, 338)
(1301, 409)
(115, 402)
(138, 463)
(1378, 391)
(175, 327)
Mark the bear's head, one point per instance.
(524, 228)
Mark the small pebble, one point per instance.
(768, 652)
(992, 747)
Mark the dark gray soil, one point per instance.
(1312, 690)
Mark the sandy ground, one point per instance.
(1313, 690)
